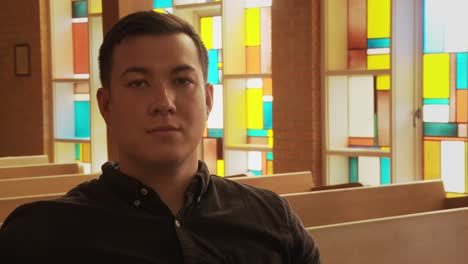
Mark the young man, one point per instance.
(158, 203)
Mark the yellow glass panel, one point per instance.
(383, 82)
(378, 18)
(378, 62)
(385, 148)
(95, 6)
(431, 160)
(220, 168)
(220, 65)
(206, 30)
(270, 141)
(80, 146)
(160, 10)
(254, 109)
(252, 27)
(269, 133)
(436, 76)
(269, 167)
(86, 152)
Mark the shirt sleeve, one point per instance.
(303, 249)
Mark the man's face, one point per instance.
(158, 102)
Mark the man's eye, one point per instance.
(183, 81)
(138, 84)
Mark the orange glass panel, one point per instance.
(357, 59)
(357, 24)
(209, 153)
(444, 138)
(252, 59)
(360, 142)
(257, 140)
(267, 86)
(462, 106)
(80, 48)
(383, 118)
(264, 163)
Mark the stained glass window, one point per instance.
(80, 38)
(163, 6)
(260, 163)
(445, 97)
(258, 36)
(259, 111)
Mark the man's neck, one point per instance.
(169, 180)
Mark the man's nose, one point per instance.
(162, 100)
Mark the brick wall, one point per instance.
(21, 109)
(297, 120)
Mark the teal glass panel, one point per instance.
(77, 152)
(79, 9)
(257, 133)
(385, 171)
(378, 43)
(162, 3)
(433, 31)
(256, 172)
(213, 67)
(215, 132)
(440, 129)
(436, 101)
(269, 155)
(353, 169)
(82, 119)
(267, 115)
(462, 70)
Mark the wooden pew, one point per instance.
(431, 237)
(281, 183)
(40, 170)
(354, 204)
(23, 160)
(7, 205)
(41, 185)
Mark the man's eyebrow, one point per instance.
(141, 70)
(181, 68)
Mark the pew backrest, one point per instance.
(7, 205)
(40, 185)
(354, 204)
(431, 237)
(23, 160)
(40, 170)
(281, 183)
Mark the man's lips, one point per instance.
(163, 129)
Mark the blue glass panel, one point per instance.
(79, 9)
(267, 117)
(442, 101)
(82, 119)
(378, 43)
(256, 133)
(433, 28)
(440, 129)
(353, 169)
(269, 155)
(256, 172)
(213, 67)
(77, 152)
(462, 70)
(215, 132)
(385, 171)
(162, 3)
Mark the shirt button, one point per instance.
(177, 223)
(198, 199)
(137, 202)
(143, 191)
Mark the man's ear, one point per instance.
(103, 98)
(208, 98)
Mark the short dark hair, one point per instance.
(146, 23)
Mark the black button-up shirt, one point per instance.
(117, 219)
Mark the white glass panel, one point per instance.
(361, 106)
(337, 111)
(453, 165)
(378, 51)
(462, 130)
(254, 160)
(255, 83)
(217, 33)
(215, 120)
(435, 18)
(338, 170)
(369, 170)
(257, 3)
(456, 39)
(436, 113)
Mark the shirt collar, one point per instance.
(130, 188)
